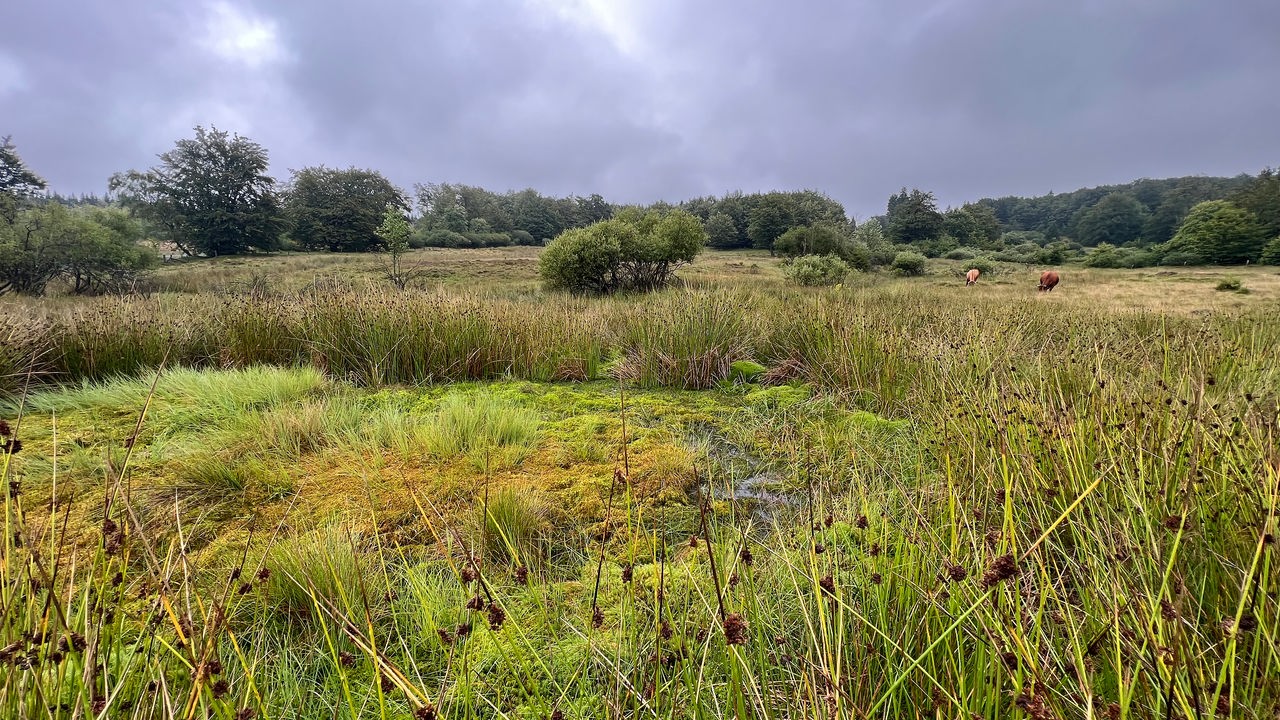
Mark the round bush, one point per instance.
(816, 270)
(857, 255)
(442, 238)
(583, 260)
(909, 263)
(984, 265)
(960, 253)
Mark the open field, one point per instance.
(277, 488)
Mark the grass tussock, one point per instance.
(490, 431)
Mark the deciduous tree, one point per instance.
(1117, 219)
(210, 195)
(339, 210)
(913, 217)
(1219, 232)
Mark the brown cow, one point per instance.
(971, 277)
(1048, 280)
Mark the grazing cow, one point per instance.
(1048, 280)
(971, 277)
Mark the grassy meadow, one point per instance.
(275, 487)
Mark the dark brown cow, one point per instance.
(1048, 280)
(971, 277)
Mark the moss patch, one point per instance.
(276, 447)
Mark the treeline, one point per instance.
(1177, 221)
(211, 195)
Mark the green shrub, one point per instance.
(960, 253)
(632, 251)
(815, 270)
(1182, 257)
(585, 260)
(909, 263)
(984, 265)
(1230, 284)
(822, 240)
(1271, 253)
(1106, 255)
(881, 255)
(487, 239)
(858, 256)
(440, 238)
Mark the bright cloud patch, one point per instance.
(237, 36)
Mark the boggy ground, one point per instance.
(926, 500)
(290, 448)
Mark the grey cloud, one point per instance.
(854, 98)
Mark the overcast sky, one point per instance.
(642, 100)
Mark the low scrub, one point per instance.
(817, 270)
(632, 251)
(908, 263)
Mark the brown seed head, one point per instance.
(828, 585)
(497, 616)
(735, 629)
(1000, 569)
(1034, 706)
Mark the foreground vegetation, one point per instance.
(896, 498)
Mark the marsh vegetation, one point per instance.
(314, 496)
